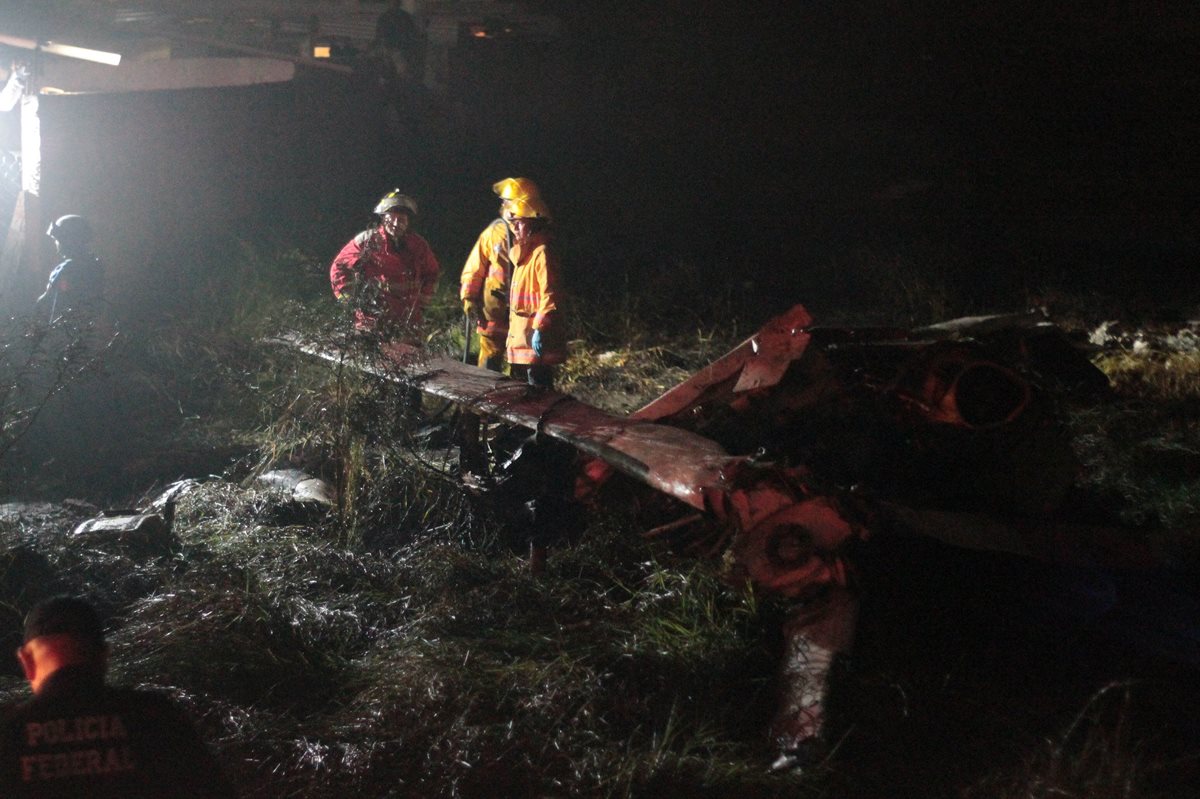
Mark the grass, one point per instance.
(438, 669)
(1095, 756)
(397, 645)
(1141, 451)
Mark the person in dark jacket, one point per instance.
(397, 32)
(79, 737)
(77, 282)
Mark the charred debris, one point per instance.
(806, 468)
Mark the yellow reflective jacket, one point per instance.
(535, 298)
(486, 275)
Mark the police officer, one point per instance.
(77, 282)
(78, 737)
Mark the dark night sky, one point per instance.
(1018, 146)
(1030, 141)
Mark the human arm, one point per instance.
(345, 267)
(429, 271)
(484, 278)
(470, 280)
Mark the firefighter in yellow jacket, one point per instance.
(536, 331)
(483, 287)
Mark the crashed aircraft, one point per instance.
(804, 441)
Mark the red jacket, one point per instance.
(407, 274)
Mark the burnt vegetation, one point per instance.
(397, 643)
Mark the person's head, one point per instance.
(72, 235)
(61, 631)
(396, 212)
(514, 189)
(527, 217)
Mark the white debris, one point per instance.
(1103, 335)
(1114, 335)
(302, 486)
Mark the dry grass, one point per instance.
(1156, 375)
(431, 668)
(397, 645)
(621, 380)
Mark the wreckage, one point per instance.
(804, 441)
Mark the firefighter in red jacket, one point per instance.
(536, 330)
(484, 283)
(387, 272)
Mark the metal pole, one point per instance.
(466, 338)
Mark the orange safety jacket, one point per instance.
(485, 273)
(407, 274)
(534, 299)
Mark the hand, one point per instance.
(536, 343)
(471, 309)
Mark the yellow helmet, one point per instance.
(516, 189)
(527, 208)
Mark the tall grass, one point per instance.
(399, 645)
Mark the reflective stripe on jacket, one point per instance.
(534, 298)
(485, 273)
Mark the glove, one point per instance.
(471, 309)
(536, 343)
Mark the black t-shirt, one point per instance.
(81, 738)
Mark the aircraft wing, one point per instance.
(677, 462)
